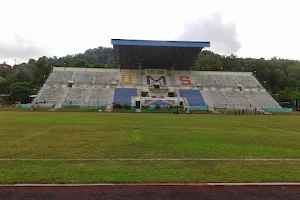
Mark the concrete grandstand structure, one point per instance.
(151, 73)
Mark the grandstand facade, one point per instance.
(151, 73)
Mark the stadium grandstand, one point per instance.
(154, 73)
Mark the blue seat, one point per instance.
(123, 95)
(194, 97)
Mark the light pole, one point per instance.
(255, 73)
(265, 84)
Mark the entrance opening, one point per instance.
(137, 104)
(171, 94)
(156, 85)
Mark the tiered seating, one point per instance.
(193, 97)
(206, 80)
(215, 98)
(262, 99)
(84, 78)
(226, 81)
(229, 81)
(240, 99)
(51, 95)
(248, 81)
(211, 80)
(123, 95)
(105, 78)
(59, 77)
(237, 99)
(75, 96)
(101, 96)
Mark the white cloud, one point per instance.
(60, 27)
(223, 36)
(20, 49)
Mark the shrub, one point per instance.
(176, 106)
(145, 106)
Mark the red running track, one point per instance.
(173, 192)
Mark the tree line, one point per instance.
(281, 77)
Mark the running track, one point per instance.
(159, 191)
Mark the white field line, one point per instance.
(158, 159)
(154, 184)
(273, 129)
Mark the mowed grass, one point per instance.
(76, 135)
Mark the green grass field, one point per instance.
(89, 135)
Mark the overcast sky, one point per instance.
(248, 28)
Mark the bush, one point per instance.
(126, 106)
(121, 106)
(145, 106)
(176, 106)
(157, 107)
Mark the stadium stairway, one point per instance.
(109, 108)
(58, 105)
(172, 80)
(38, 95)
(73, 76)
(88, 96)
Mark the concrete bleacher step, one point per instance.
(88, 96)
(58, 105)
(39, 94)
(109, 108)
(213, 111)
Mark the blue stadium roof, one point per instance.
(151, 54)
(160, 43)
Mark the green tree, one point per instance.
(20, 91)
(81, 63)
(294, 71)
(2, 80)
(41, 71)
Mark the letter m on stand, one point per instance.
(163, 78)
